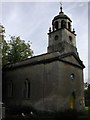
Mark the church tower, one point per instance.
(61, 36)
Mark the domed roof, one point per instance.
(61, 15)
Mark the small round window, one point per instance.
(72, 76)
(56, 37)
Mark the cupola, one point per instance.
(61, 21)
(61, 36)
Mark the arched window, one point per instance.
(63, 24)
(56, 25)
(27, 89)
(10, 88)
(69, 26)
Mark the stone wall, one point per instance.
(50, 86)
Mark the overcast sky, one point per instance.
(31, 21)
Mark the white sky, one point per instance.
(31, 21)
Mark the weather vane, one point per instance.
(61, 6)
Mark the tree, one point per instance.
(87, 94)
(5, 50)
(2, 31)
(18, 50)
(89, 100)
(15, 50)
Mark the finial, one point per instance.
(61, 7)
(73, 30)
(49, 29)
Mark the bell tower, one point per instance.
(61, 37)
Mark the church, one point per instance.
(49, 82)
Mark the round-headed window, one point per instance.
(56, 25)
(69, 26)
(63, 24)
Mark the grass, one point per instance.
(39, 115)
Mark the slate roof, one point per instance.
(45, 58)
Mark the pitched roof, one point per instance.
(45, 58)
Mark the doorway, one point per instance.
(72, 101)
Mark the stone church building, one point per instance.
(51, 81)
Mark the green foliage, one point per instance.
(18, 50)
(5, 50)
(87, 95)
(13, 51)
(89, 91)
(2, 31)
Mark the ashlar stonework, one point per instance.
(51, 81)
